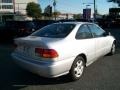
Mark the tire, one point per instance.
(113, 49)
(77, 68)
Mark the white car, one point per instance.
(63, 48)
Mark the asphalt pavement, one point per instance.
(104, 74)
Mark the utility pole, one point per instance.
(54, 4)
(14, 6)
(94, 10)
(14, 9)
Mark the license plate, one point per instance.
(25, 50)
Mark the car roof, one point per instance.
(75, 23)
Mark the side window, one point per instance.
(96, 31)
(83, 32)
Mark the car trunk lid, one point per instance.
(26, 46)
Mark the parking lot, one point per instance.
(104, 74)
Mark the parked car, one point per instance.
(12, 29)
(42, 23)
(20, 28)
(5, 33)
(63, 48)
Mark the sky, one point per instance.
(77, 6)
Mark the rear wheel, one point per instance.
(77, 68)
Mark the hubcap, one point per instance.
(78, 70)
(113, 48)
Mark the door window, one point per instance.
(96, 30)
(83, 32)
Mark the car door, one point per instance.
(100, 39)
(85, 42)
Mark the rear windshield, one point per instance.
(55, 31)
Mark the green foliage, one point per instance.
(115, 1)
(33, 10)
(56, 13)
(48, 11)
(77, 16)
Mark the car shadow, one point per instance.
(14, 78)
(25, 78)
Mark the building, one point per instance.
(20, 9)
(6, 9)
(14, 9)
(65, 16)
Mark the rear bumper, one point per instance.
(45, 69)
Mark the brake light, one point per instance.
(46, 53)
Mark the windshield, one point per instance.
(55, 31)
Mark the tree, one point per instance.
(33, 10)
(77, 16)
(115, 1)
(57, 13)
(48, 11)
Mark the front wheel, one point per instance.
(113, 49)
(77, 68)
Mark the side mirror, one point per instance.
(109, 33)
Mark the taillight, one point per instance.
(46, 53)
